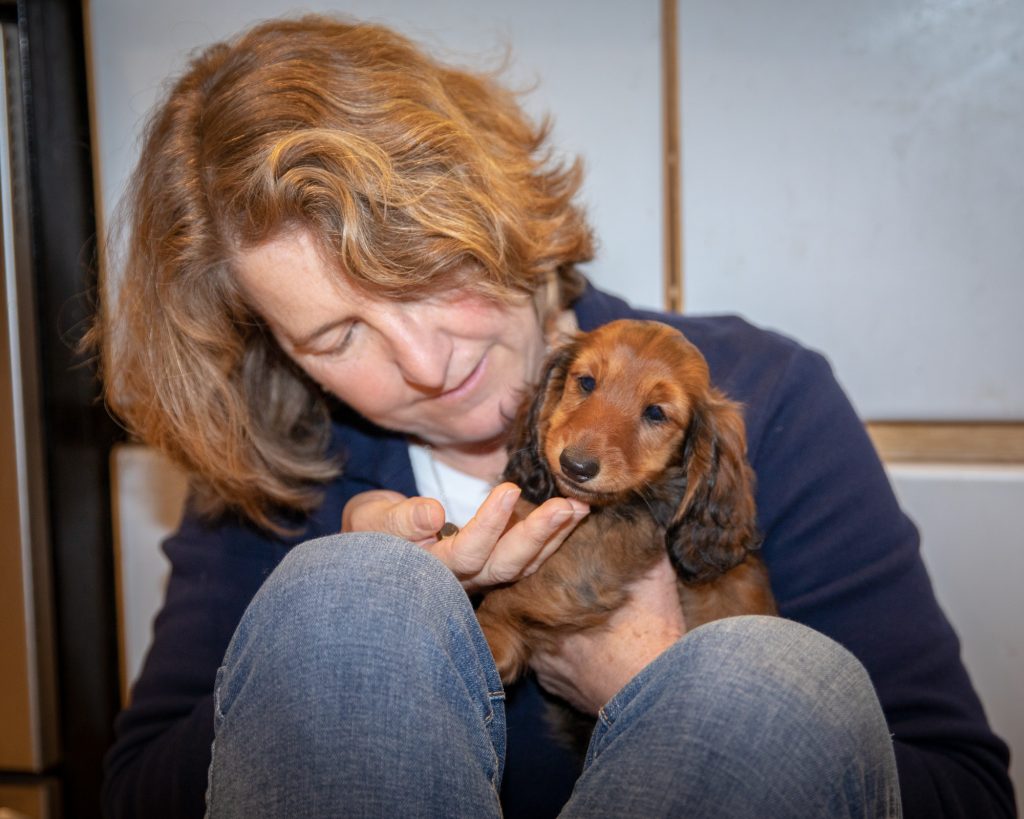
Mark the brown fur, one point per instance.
(626, 420)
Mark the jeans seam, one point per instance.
(218, 684)
(209, 780)
(491, 697)
(494, 702)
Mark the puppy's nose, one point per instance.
(578, 467)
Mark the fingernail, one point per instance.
(421, 516)
(560, 517)
(508, 500)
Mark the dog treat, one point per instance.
(448, 530)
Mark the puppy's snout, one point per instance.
(577, 466)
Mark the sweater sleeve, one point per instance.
(844, 559)
(158, 764)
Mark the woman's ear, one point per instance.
(715, 525)
(527, 467)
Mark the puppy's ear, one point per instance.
(716, 523)
(527, 466)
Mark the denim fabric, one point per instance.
(744, 717)
(359, 684)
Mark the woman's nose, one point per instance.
(421, 350)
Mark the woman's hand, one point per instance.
(591, 666)
(491, 549)
(381, 510)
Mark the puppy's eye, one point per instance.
(655, 413)
(587, 383)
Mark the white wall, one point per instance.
(852, 175)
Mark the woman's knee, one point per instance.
(359, 650)
(366, 574)
(808, 712)
(781, 666)
(366, 561)
(768, 703)
(776, 673)
(350, 593)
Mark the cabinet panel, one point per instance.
(974, 550)
(28, 693)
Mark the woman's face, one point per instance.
(449, 369)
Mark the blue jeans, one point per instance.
(359, 684)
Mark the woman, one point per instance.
(345, 264)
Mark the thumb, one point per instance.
(417, 518)
(381, 510)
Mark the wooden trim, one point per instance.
(949, 442)
(672, 170)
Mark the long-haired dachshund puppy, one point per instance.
(626, 419)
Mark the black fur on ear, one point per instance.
(527, 466)
(715, 526)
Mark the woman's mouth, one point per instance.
(467, 385)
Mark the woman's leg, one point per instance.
(744, 717)
(358, 683)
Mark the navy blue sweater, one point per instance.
(843, 557)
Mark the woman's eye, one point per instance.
(343, 340)
(655, 413)
(586, 383)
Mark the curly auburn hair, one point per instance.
(403, 170)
